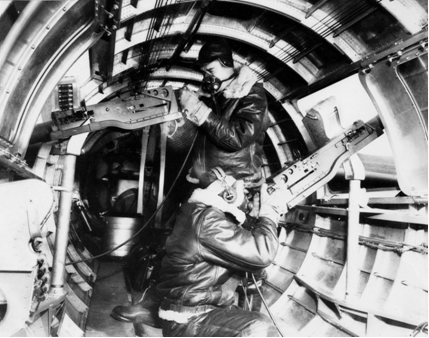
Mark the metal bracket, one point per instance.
(33, 226)
(15, 164)
(417, 41)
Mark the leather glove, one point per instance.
(256, 205)
(195, 110)
(261, 275)
(273, 206)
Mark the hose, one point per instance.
(266, 306)
(151, 217)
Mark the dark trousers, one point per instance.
(223, 323)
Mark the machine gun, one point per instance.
(148, 108)
(304, 177)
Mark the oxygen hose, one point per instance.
(151, 217)
(266, 306)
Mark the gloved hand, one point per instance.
(261, 275)
(195, 110)
(256, 206)
(273, 206)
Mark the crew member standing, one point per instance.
(231, 112)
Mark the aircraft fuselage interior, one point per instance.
(95, 148)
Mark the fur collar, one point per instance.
(241, 85)
(179, 317)
(213, 200)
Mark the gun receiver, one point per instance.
(306, 176)
(151, 107)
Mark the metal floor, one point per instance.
(109, 290)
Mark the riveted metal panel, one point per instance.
(403, 126)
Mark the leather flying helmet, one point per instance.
(215, 51)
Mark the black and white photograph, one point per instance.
(214, 168)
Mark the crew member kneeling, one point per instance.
(211, 246)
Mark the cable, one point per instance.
(266, 306)
(144, 294)
(151, 217)
(419, 328)
(333, 20)
(245, 293)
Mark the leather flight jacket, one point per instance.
(207, 250)
(233, 135)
